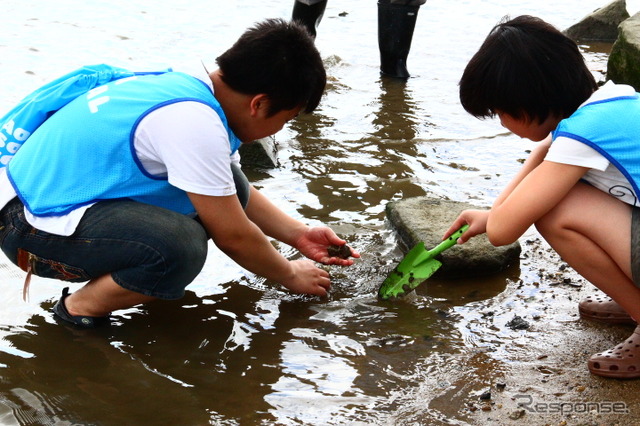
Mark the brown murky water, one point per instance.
(237, 349)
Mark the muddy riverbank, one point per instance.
(525, 354)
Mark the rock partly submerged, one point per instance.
(601, 24)
(427, 219)
(613, 24)
(261, 153)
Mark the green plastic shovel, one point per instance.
(418, 265)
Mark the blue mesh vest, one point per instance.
(84, 153)
(611, 127)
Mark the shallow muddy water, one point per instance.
(237, 349)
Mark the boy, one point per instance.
(123, 186)
(579, 187)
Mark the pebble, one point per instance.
(517, 323)
(517, 414)
(343, 251)
(486, 395)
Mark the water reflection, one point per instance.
(178, 361)
(192, 362)
(42, 391)
(361, 175)
(396, 117)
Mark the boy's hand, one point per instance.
(314, 243)
(307, 279)
(477, 220)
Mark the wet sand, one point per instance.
(542, 378)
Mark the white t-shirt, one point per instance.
(602, 174)
(184, 141)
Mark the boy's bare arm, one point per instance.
(272, 220)
(239, 238)
(312, 242)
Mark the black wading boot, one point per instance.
(309, 15)
(396, 23)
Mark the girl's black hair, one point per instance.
(527, 69)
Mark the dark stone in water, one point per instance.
(517, 323)
(262, 153)
(602, 24)
(343, 251)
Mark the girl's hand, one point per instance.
(314, 243)
(477, 221)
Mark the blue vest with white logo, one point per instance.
(23, 119)
(85, 152)
(611, 127)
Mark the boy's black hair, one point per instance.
(527, 69)
(277, 58)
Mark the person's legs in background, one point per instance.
(309, 13)
(396, 23)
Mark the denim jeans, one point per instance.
(146, 249)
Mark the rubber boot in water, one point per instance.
(395, 31)
(309, 13)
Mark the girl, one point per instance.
(579, 187)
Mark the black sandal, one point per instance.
(60, 311)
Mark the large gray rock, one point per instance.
(427, 219)
(601, 25)
(261, 153)
(623, 66)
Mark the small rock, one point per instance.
(261, 153)
(442, 314)
(602, 24)
(518, 414)
(393, 340)
(517, 323)
(486, 395)
(343, 251)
